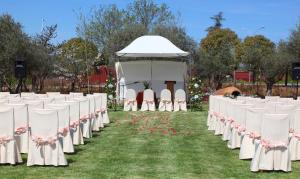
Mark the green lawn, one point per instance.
(151, 145)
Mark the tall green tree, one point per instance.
(76, 58)
(255, 49)
(112, 29)
(219, 54)
(218, 19)
(294, 42)
(13, 45)
(273, 66)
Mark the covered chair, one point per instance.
(21, 126)
(295, 135)
(165, 103)
(85, 119)
(9, 153)
(272, 152)
(148, 101)
(130, 102)
(180, 100)
(75, 129)
(92, 111)
(252, 133)
(64, 133)
(98, 110)
(238, 125)
(103, 108)
(44, 146)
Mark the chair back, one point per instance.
(254, 119)
(275, 127)
(148, 95)
(43, 123)
(180, 95)
(63, 114)
(6, 122)
(165, 94)
(74, 111)
(20, 115)
(131, 95)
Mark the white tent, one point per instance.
(153, 59)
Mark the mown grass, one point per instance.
(151, 145)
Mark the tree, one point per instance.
(255, 49)
(294, 42)
(219, 52)
(273, 66)
(13, 45)
(42, 57)
(218, 19)
(112, 29)
(76, 57)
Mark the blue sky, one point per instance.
(245, 17)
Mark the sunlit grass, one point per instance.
(151, 145)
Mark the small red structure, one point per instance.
(101, 75)
(243, 76)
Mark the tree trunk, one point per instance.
(73, 86)
(33, 83)
(286, 77)
(269, 89)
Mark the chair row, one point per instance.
(45, 130)
(266, 130)
(148, 104)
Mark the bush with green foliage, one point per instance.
(196, 93)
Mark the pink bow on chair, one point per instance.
(149, 101)
(43, 141)
(268, 145)
(253, 135)
(4, 140)
(20, 130)
(63, 131)
(230, 120)
(84, 118)
(130, 102)
(74, 124)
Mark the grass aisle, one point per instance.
(151, 145)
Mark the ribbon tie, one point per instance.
(40, 141)
(5, 139)
(20, 130)
(268, 145)
(63, 131)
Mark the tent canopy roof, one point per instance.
(151, 46)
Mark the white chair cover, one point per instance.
(252, 133)
(180, 100)
(165, 103)
(34, 105)
(130, 102)
(99, 119)
(76, 95)
(85, 120)
(75, 129)
(238, 125)
(44, 146)
(93, 115)
(9, 152)
(295, 135)
(148, 103)
(27, 94)
(104, 112)
(63, 126)
(272, 151)
(52, 94)
(221, 118)
(59, 98)
(21, 126)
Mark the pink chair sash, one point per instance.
(84, 118)
(268, 145)
(20, 130)
(40, 141)
(5, 139)
(74, 124)
(131, 102)
(149, 101)
(63, 131)
(253, 135)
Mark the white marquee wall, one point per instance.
(134, 73)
